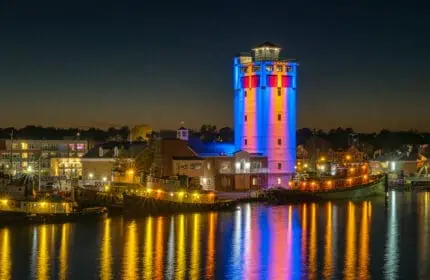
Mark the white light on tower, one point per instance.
(247, 165)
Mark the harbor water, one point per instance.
(374, 238)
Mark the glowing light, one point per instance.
(5, 256)
(90, 175)
(196, 195)
(204, 180)
(42, 204)
(104, 179)
(290, 183)
(29, 169)
(322, 159)
(159, 191)
(130, 171)
(351, 170)
(365, 177)
(107, 188)
(4, 201)
(148, 251)
(106, 253)
(348, 157)
(306, 165)
(171, 194)
(247, 165)
(148, 190)
(349, 180)
(181, 194)
(237, 164)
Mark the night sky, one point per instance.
(75, 63)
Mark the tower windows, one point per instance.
(244, 69)
(279, 117)
(279, 166)
(255, 68)
(279, 68)
(279, 141)
(246, 118)
(246, 142)
(244, 93)
(289, 69)
(279, 92)
(279, 181)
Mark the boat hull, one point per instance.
(376, 188)
(137, 205)
(9, 217)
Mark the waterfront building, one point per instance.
(265, 109)
(19, 155)
(214, 165)
(112, 162)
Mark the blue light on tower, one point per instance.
(265, 109)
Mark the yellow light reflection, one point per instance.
(350, 254)
(195, 250)
(147, 258)
(364, 242)
(43, 254)
(159, 250)
(106, 251)
(64, 249)
(328, 256)
(313, 244)
(130, 258)
(210, 263)
(180, 249)
(304, 235)
(5, 259)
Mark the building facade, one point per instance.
(20, 155)
(265, 109)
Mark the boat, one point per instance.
(346, 189)
(159, 201)
(45, 211)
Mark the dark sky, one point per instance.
(101, 63)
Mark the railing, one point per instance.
(35, 207)
(178, 196)
(244, 171)
(331, 185)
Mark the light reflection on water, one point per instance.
(351, 240)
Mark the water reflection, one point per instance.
(130, 270)
(350, 254)
(159, 249)
(5, 259)
(391, 247)
(364, 242)
(64, 250)
(330, 240)
(147, 255)
(106, 252)
(328, 247)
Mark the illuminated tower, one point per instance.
(265, 109)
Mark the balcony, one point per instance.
(244, 171)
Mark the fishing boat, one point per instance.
(159, 201)
(347, 188)
(45, 211)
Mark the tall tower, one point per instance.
(265, 109)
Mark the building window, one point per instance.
(209, 165)
(246, 118)
(244, 93)
(279, 141)
(279, 181)
(269, 68)
(254, 181)
(279, 165)
(279, 68)
(279, 92)
(255, 68)
(279, 117)
(289, 69)
(246, 142)
(244, 69)
(24, 146)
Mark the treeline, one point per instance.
(338, 138)
(53, 133)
